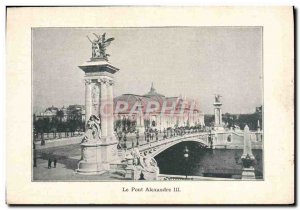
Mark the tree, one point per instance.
(60, 115)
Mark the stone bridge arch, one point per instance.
(156, 149)
(162, 149)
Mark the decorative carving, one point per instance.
(99, 46)
(84, 156)
(87, 81)
(114, 151)
(111, 82)
(95, 95)
(104, 80)
(93, 131)
(146, 163)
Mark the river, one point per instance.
(225, 163)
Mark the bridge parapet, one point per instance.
(154, 148)
(219, 139)
(213, 140)
(235, 140)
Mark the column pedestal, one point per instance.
(248, 174)
(96, 158)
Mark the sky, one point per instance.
(196, 62)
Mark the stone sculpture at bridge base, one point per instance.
(96, 153)
(141, 167)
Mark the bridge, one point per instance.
(229, 139)
(222, 139)
(154, 148)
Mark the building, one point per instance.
(154, 110)
(49, 113)
(72, 112)
(137, 112)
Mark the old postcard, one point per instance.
(150, 105)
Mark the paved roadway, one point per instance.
(67, 159)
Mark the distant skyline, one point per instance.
(196, 62)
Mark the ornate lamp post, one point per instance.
(165, 136)
(120, 136)
(210, 140)
(137, 138)
(186, 156)
(125, 140)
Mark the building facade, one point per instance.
(154, 110)
(72, 112)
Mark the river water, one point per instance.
(205, 162)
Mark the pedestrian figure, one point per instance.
(55, 161)
(142, 176)
(125, 139)
(156, 135)
(137, 138)
(49, 163)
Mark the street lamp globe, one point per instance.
(186, 152)
(186, 155)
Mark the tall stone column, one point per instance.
(103, 107)
(88, 100)
(218, 116)
(95, 98)
(140, 119)
(110, 108)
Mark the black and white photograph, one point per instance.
(154, 105)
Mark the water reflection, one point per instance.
(224, 163)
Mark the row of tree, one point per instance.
(45, 125)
